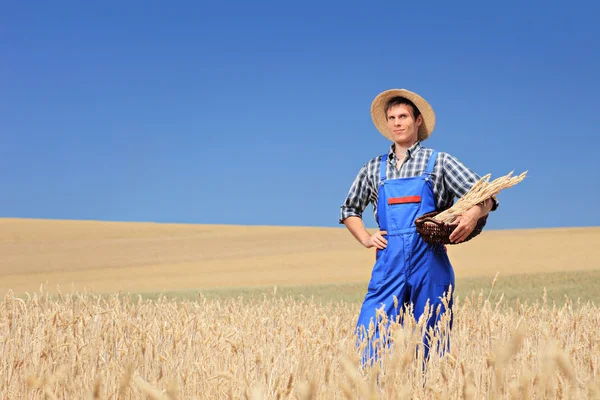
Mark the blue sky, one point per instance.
(258, 112)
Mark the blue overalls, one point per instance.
(408, 268)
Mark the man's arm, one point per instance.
(468, 221)
(356, 226)
(459, 179)
(355, 203)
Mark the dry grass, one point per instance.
(85, 346)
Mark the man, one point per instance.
(407, 182)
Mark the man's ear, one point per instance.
(420, 120)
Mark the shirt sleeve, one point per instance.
(459, 179)
(358, 196)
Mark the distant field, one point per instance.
(149, 258)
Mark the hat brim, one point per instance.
(379, 116)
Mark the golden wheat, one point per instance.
(80, 345)
(481, 191)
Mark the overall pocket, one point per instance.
(402, 211)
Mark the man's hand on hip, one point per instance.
(376, 240)
(357, 228)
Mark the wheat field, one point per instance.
(88, 346)
(73, 327)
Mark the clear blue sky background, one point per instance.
(257, 112)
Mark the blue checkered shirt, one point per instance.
(450, 179)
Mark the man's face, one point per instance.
(402, 126)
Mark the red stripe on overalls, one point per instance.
(403, 200)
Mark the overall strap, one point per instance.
(431, 163)
(383, 166)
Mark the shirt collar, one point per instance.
(414, 149)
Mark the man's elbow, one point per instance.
(348, 213)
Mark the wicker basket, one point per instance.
(437, 232)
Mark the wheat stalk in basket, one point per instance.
(482, 190)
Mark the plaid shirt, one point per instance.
(450, 179)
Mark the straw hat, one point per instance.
(378, 112)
